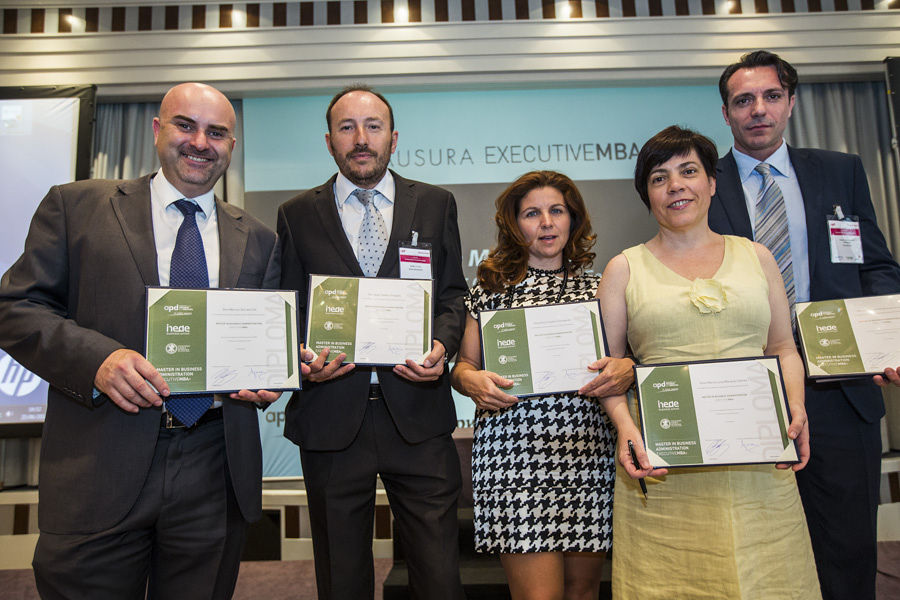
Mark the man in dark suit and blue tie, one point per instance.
(354, 424)
(781, 196)
(139, 494)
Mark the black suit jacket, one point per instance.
(76, 295)
(826, 178)
(327, 416)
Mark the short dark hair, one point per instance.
(357, 87)
(672, 141)
(787, 75)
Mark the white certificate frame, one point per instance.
(373, 320)
(222, 340)
(712, 422)
(527, 345)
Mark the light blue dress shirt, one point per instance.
(783, 172)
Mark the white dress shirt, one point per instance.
(351, 211)
(167, 219)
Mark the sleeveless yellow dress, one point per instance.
(721, 532)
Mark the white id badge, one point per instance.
(845, 239)
(415, 261)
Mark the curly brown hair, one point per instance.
(507, 262)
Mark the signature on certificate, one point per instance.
(716, 448)
(223, 375)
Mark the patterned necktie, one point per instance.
(772, 228)
(188, 270)
(373, 236)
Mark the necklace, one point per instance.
(547, 271)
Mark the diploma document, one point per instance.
(543, 349)
(218, 340)
(855, 337)
(721, 412)
(374, 321)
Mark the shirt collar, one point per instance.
(780, 161)
(166, 193)
(343, 188)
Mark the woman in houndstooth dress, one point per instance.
(542, 467)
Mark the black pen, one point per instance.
(637, 465)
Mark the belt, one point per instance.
(170, 421)
(375, 392)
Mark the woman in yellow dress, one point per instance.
(691, 294)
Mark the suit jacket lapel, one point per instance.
(405, 201)
(331, 223)
(810, 179)
(232, 243)
(131, 205)
(730, 192)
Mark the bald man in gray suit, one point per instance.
(131, 502)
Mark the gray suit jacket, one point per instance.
(76, 295)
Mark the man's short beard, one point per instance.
(366, 179)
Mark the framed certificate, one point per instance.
(374, 321)
(718, 412)
(855, 337)
(543, 349)
(223, 340)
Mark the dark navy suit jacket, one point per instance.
(826, 179)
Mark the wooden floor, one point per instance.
(271, 580)
(276, 580)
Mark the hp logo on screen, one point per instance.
(16, 380)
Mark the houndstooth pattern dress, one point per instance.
(543, 469)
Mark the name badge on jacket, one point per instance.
(415, 259)
(844, 238)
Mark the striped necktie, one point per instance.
(772, 227)
(188, 270)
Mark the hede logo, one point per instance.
(825, 328)
(16, 380)
(506, 343)
(338, 310)
(667, 405)
(177, 328)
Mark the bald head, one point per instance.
(194, 137)
(197, 97)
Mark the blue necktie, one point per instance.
(188, 270)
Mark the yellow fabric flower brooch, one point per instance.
(708, 296)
